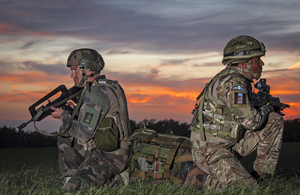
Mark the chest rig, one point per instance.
(212, 117)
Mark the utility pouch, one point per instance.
(107, 135)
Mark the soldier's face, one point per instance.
(76, 74)
(257, 64)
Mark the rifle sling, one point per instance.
(75, 111)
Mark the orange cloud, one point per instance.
(24, 96)
(293, 111)
(148, 98)
(34, 78)
(14, 87)
(10, 29)
(297, 65)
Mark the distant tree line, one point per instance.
(9, 138)
(291, 132)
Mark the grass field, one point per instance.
(35, 171)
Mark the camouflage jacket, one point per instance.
(226, 108)
(99, 119)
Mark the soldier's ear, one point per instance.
(243, 65)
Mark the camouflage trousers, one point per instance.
(85, 168)
(224, 169)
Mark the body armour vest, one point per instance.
(218, 111)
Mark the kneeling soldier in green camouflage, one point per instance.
(226, 121)
(92, 148)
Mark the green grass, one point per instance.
(35, 171)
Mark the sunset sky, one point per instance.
(161, 52)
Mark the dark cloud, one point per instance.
(32, 66)
(128, 23)
(173, 62)
(59, 69)
(118, 51)
(27, 45)
(154, 71)
(207, 65)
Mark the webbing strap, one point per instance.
(183, 158)
(75, 111)
(171, 156)
(200, 118)
(217, 127)
(218, 116)
(149, 158)
(42, 132)
(151, 175)
(200, 95)
(175, 180)
(120, 151)
(150, 137)
(138, 174)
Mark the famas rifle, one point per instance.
(43, 111)
(263, 97)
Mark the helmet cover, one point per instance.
(88, 58)
(241, 49)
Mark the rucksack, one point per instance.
(124, 128)
(159, 156)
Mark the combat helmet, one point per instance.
(241, 49)
(86, 58)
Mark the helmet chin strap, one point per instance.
(255, 76)
(84, 76)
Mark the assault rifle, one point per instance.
(45, 110)
(263, 97)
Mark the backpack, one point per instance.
(159, 156)
(124, 126)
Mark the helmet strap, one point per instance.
(85, 77)
(255, 75)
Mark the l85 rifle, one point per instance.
(263, 97)
(43, 111)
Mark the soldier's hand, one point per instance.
(71, 104)
(271, 108)
(56, 112)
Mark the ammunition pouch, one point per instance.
(107, 135)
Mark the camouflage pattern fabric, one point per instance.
(244, 129)
(79, 156)
(71, 154)
(195, 177)
(98, 168)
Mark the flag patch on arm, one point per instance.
(239, 98)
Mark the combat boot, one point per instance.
(260, 177)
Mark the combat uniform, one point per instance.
(231, 123)
(93, 151)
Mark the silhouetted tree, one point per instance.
(9, 138)
(291, 132)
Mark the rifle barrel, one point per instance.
(23, 125)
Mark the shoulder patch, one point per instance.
(239, 97)
(239, 88)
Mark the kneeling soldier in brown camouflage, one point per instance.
(226, 121)
(92, 148)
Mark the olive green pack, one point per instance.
(159, 156)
